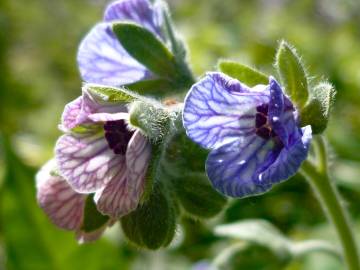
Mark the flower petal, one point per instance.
(138, 11)
(86, 161)
(233, 167)
(138, 154)
(103, 60)
(281, 113)
(69, 116)
(103, 117)
(60, 202)
(219, 109)
(122, 194)
(289, 160)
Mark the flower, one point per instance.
(101, 57)
(62, 204)
(253, 133)
(100, 154)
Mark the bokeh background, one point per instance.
(38, 76)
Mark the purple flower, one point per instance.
(98, 154)
(253, 133)
(62, 204)
(101, 57)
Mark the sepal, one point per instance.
(292, 74)
(102, 93)
(152, 225)
(151, 118)
(243, 73)
(317, 112)
(93, 219)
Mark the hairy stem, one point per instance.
(329, 198)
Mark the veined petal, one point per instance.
(281, 113)
(233, 167)
(103, 60)
(138, 11)
(86, 161)
(69, 116)
(289, 160)
(138, 154)
(219, 109)
(59, 201)
(122, 194)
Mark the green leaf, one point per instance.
(93, 219)
(292, 74)
(110, 94)
(197, 196)
(145, 47)
(259, 232)
(317, 112)
(152, 224)
(155, 88)
(243, 73)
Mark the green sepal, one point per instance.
(292, 74)
(110, 94)
(197, 196)
(145, 47)
(156, 88)
(152, 224)
(243, 73)
(93, 219)
(152, 118)
(317, 112)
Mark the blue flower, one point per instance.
(253, 133)
(101, 57)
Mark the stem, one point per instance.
(305, 247)
(329, 198)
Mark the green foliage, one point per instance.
(152, 224)
(141, 44)
(317, 112)
(292, 74)
(93, 219)
(243, 73)
(32, 242)
(197, 196)
(155, 87)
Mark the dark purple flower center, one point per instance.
(263, 128)
(117, 136)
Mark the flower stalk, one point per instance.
(329, 198)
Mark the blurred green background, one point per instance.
(38, 76)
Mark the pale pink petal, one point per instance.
(122, 194)
(69, 116)
(59, 201)
(86, 161)
(137, 160)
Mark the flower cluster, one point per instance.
(99, 153)
(253, 133)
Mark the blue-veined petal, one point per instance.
(86, 161)
(233, 167)
(219, 109)
(289, 160)
(103, 60)
(70, 114)
(138, 11)
(59, 201)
